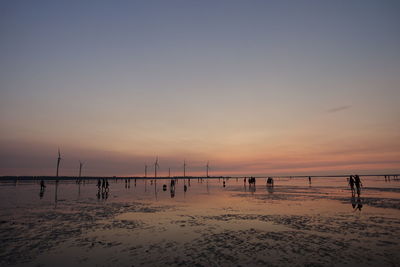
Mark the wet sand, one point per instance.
(292, 224)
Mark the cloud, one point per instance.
(332, 110)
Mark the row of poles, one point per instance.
(156, 166)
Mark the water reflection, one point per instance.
(202, 221)
(171, 189)
(103, 188)
(56, 194)
(270, 189)
(42, 188)
(356, 203)
(102, 194)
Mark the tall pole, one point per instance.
(207, 168)
(58, 161)
(155, 167)
(184, 168)
(145, 170)
(169, 172)
(80, 168)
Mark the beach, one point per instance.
(137, 223)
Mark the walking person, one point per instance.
(358, 184)
(351, 183)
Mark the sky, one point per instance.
(253, 87)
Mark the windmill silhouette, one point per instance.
(155, 167)
(80, 168)
(58, 161)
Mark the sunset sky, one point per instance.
(254, 87)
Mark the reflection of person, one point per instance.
(353, 201)
(42, 187)
(270, 189)
(359, 204)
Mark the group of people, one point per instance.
(355, 184)
(128, 183)
(251, 180)
(387, 178)
(102, 184)
(172, 187)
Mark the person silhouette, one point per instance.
(270, 182)
(358, 184)
(351, 183)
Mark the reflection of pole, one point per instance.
(155, 168)
(55, 194)
(155, 188)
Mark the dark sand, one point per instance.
(293, 224)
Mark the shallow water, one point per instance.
(293, 223)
